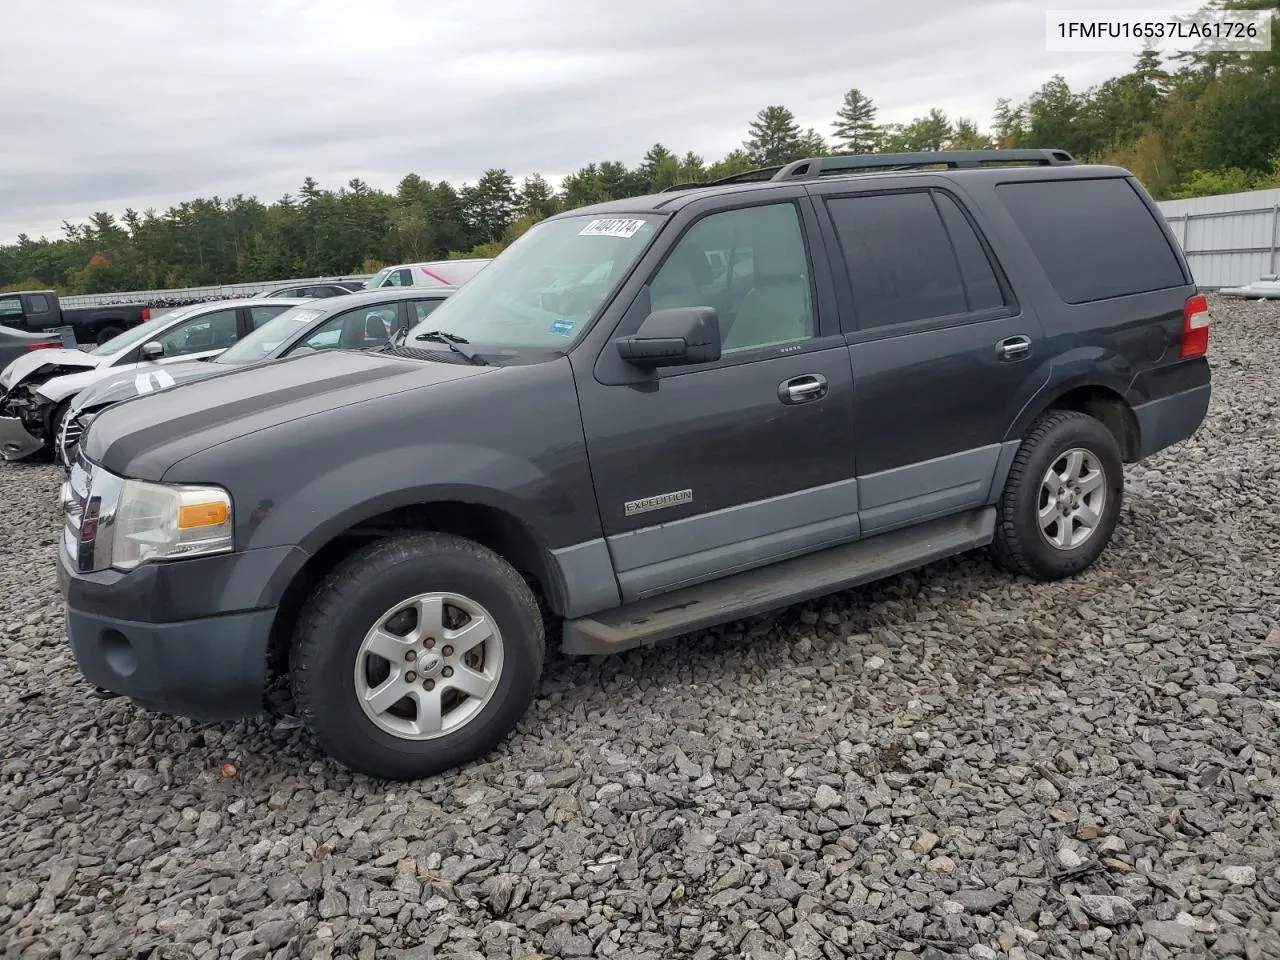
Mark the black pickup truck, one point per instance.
(643, 418)
(37, 311)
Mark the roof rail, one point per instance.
(813, 167)
(761, 175)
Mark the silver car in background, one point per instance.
(38, 387)
(358, 321)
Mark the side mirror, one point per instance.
(682, 335)
(152, 349)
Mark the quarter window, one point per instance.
(751, 266)
(424, 308)
(260, 315)
(1096, 239)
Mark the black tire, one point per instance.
(349, 602)
(106, 333)
(1020, 546)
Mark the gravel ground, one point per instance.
(949, 763)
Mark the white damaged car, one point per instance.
(36, 389)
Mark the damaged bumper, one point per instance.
(16, 442)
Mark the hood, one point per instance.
(144, 437)
(134, 383)
(69, 360)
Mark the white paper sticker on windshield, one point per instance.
(611, 228)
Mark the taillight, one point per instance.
(1195, 327)
(44, 345)
(146, 313)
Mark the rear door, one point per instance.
(705, 470)
(943, 354)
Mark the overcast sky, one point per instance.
(145, 103)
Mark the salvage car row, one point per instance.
(47, 397)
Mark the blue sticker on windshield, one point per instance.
(563, 328)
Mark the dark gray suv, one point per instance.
(643, 418)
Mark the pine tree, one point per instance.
(855, 124)
(775, 137)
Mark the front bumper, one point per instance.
(16, 442)
(188, 658)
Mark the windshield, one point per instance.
(256, 345)
(143, 332)
(544, 288)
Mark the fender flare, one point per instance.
(1084, 367)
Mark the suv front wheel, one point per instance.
(1061, 499)
(415, 655)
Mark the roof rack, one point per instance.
(761, 175)
(813, 167)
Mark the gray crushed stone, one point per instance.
(950, 763)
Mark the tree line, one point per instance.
(1189, 125)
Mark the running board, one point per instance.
(777, 585)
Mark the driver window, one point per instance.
(353, 330)
(209, 331)
(751, 266)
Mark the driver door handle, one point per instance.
(802, 389)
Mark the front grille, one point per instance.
(68, 439)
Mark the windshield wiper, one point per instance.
(451, 341)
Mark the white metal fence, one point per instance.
(214, 292)
(1230, 240)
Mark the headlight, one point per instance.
(155, 521)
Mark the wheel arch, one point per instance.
(1096, 394)
(490, 525)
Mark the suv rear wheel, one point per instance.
(416, 655)
(1061, 499)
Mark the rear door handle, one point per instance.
(811, 386)
(1013, 348)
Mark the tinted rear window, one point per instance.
(1095, 238)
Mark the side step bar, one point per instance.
(777, 585)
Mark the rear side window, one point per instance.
(909, 259)
(1096, 239)
(980, 278)
(39, 303)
